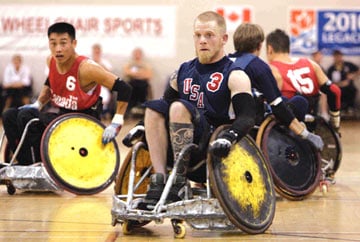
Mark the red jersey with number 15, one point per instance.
(65, 88)
(298, 78)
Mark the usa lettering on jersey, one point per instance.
(194, 90)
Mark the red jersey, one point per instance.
(65, 88)
(298, 78)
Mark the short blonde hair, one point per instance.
(212, 16)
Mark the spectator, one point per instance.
(343, 74)
(17, 83)
(108, 104)
(138, 73)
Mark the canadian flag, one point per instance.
(235, 15)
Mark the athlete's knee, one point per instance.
(153, 115)
(179, 112)
(300, 106)
(9, 115)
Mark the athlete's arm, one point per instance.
(277, 76)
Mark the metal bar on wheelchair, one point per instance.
(195, 167)
(185, 150)
(2, 138)
(22, 139)
(1, 145)
(142, 178)
(132, 174)
(208, 190)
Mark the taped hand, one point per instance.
(113, 129)
(222, 145)
(316, 140)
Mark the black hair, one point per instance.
(62, 27)
(279, 41)
(337, 52)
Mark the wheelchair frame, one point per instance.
(41, 176)
(201, 212)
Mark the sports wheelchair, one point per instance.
(73, 158)
(238, 193)
(296, 166)
(331, 154)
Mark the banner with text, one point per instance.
(117, 28)
(324, 30)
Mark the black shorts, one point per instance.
(202, 134)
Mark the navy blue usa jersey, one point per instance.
(259, 73)
(206, 87)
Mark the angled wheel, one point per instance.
(74, 156)
(331, 154)
(142, 172)
(294, 163)
(243, 185)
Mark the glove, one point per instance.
(335, 119)
(113, 129)
(313, 138)
(35, 105)
(134, 133)
(222, 145)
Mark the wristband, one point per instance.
(118, 119)
(37, 104)
(304, 134)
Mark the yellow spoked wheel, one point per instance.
(243, 185)
(294, 163)
(74, 156)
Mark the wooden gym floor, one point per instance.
(28, 216)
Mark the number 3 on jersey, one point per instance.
(302, 83)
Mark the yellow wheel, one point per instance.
(126, 228)
(74, 156)
(243, 185)
(179, 230)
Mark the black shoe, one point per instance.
(155, 189)
(179, 190)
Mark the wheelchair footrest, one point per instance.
(29, 178)
(199, 213)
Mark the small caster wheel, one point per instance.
(126, 228)
(11, 189)
(113, 222)
(179, 229)
(324, 187)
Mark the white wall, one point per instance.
(269, 14)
